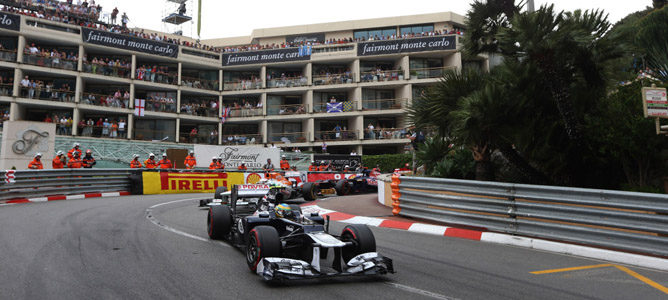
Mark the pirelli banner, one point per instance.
(165, 182)
(127, 42)
(434, 43)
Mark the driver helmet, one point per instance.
(214, 158)
(59, 153)
(284, 211)
(135, 156)
(38, 154)
(151, 155)
(76, 145)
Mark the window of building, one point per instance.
(374, 33)
(416, 29)
(149, 130)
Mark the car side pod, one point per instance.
(365, 264)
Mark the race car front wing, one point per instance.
(277, 268)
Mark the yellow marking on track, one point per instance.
(571, 269)
(643, 279)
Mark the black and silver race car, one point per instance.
(282, 244)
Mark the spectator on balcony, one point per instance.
(121, 128)
(337, 132)
(114, 14)
(125, 20)
(106, 128)
(193, 135)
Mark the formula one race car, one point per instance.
(282, 244)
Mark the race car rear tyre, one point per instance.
(361, 237)
(310, 191)
(263, 241)
(219, 221)
(342, 188)
(219, 191)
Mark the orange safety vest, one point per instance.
(213, 166)
(56, 163)
(220, 165)
(165, 164)
(313, 168)
(135, 164)
(74, 163)
(190, 162)
(322, 168)
(242, 168)
(284, 164)
(88, 162)
(150, 164)
(70, 154)
(35, 165)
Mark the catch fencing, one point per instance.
(634, 222)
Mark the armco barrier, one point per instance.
(38, 183)
(634, 222)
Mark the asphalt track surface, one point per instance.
(156, 247)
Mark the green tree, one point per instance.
(484, 20)
(653, 37)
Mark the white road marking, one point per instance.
(155, 221)
(413, 290)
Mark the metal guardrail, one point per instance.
(634, 222)
(38, 183)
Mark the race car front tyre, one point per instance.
(362, 240)
(219, 221)
(342, 188)
(263, 241)
(310, 191)
(219, 191)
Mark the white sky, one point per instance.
(239, 17)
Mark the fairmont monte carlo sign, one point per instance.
(267, 56)
(114, 40)
(434, 43)
(9, 21)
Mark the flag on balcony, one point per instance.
(305, 50)
(140, 104)
(335, 107)
(348, 106)
(225, 114)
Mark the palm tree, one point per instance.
(484, 20)
(433, 107)
(567, 48)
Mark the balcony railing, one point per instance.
(110, 131)
(385, 133)
(49, 62)
(106, 70)
(336, 135)
(287, 137)
(382, 75)
(8, 55)
(167, 105)
(289, 109)
(242, 139)
(104, 100)
(243, 112)
(199, 83)
(158, 77)
(335, 107)
(6, 89)
(429, 72)
(242, 85)
(50, 94)
(200, 138)
(342, 78)
(287, 82)
(196, 109)
(384, 104)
